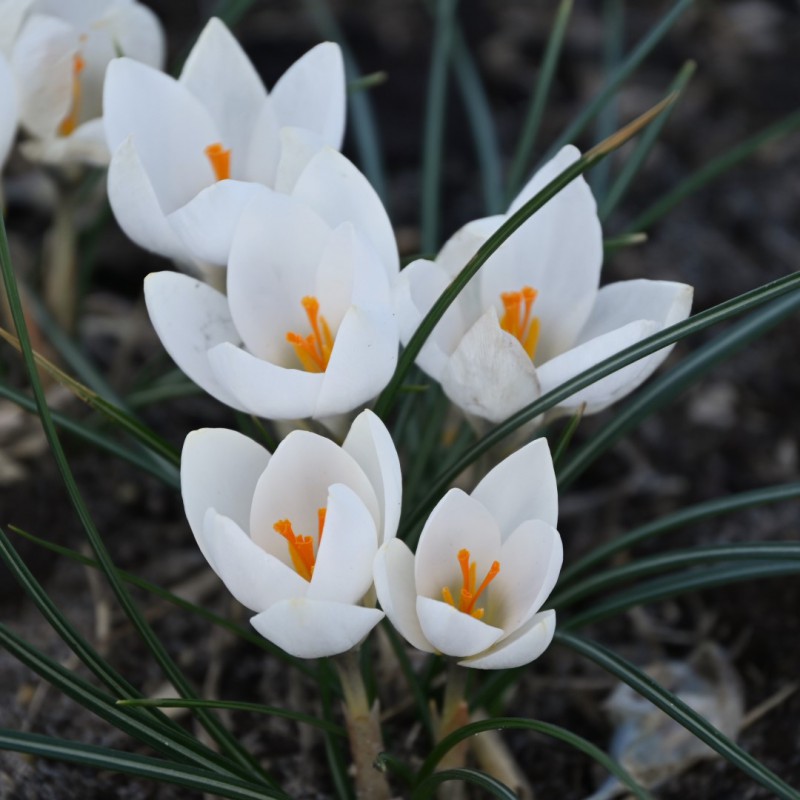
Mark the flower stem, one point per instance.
(60, 277)
(454, 715)
(363, 728)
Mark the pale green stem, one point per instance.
(60, 278)
(363, 728)
(454, 715)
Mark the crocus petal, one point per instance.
(261, 159)
(220, 469)
(42, 61)
(137, 33)
(311, 94)
(609, 389)
(522, 486)
(349, 541)
(220, 75)
(338, 192)
(393, 572)
(8, 110)
(530, 561)
(190, 317)
(298, 147)
(136, 207)
(255, 578)
(12, 12)
(490, 374)
(451, 631)
(206, 224)
(522, 647)
(465, 242)
(295, 485)
(458, 522)
(315, 628)
(371, 445)
(262, 388)
(86, 144)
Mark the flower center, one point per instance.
(517, 319)
(70, 122)
(301, 548)
(469, 594)
(314, 350)
(220, 159)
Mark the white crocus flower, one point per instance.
(533, 317)
(293, 535)
(59, 61)
(214, 128)
(307, 327)
(484, 565)
(8, 110)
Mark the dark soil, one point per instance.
(735, 430)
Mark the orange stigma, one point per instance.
(220, 159)
(517, 319)
(70, 122)
(469, 594)
(314, 350)
(301, 548)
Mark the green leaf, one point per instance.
(679, 519)
(103, 758)
(515, 723)
(651, 344)
(495, 787)
(662, 391)
(567, 434)
(679, 711)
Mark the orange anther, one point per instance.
(220, 159)
(469, 594)
(70, 122)
(517, 318)
(314, 350)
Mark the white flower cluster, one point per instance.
(295, 307)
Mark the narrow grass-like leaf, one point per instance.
(516, 723)
(333, 749)
(566, 435)
(679, 711)
(679, 519)
(533, 119)
(625, 240)
(232, 11)
(626, 69)
(662, 391)
(90, 436)
(247, 634)
(359, 105)
(664, 562)
(716, 167)
(643, 146)
(493, 243)
(386, 761)
(495, 787)
(165, 391)
(233, 705)
(103, 758)
(433, 136)
(692, 580)
(223, 737)
(674, 333)
(481, 122)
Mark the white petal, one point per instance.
(609, 389)
(42, 61)
(169, 125)
(315, 628)
(530, 561)
(220, 470)
(295, 486)
(339, 193)
(522, 486)
(465, 242)
(85, 145)
(371, 445)
(136, 207)
(206, 224)
(451, 631)
(490, 374)
(311, 94)
(394, 584)
(255, 578)
(343, 569)
(262, 388)
(137, 33)
(12, 12)
(219, 74)
(297, 147)
(190, 317)
(564, 158)
(262, 156)
(458, 522)
(525, 645)
(8, 110)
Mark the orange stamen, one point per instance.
(469, 594)
(517, 319)
(220, 159)
(301, 548)
(314, 350)
(70, 122)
